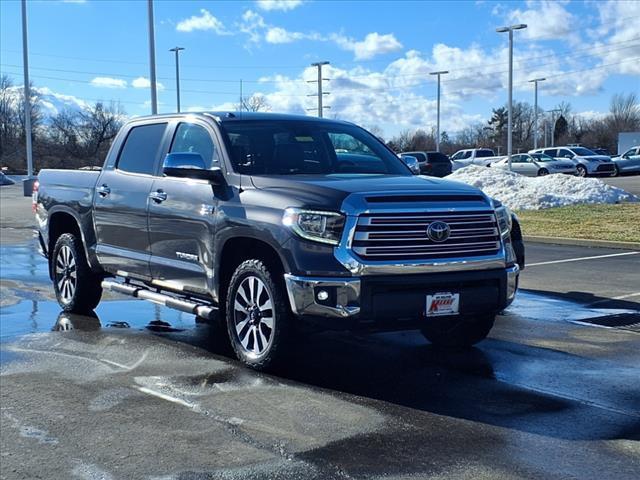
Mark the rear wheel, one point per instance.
(77, 288)
(616, 170)
(582, 170)
(462, 332)
(542, 172)
(257, 315)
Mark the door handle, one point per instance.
(103, 190)
(158, 196)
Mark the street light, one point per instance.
(176, 50)
(510, 29)
(152, 59)
(535, 111)
(442, 72)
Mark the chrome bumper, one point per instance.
(343, 296)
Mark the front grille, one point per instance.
(403, 236)
(605, 167)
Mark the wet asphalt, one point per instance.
(140, 391)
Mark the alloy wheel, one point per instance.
(254, 316)
(66, 274)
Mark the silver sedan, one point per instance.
(536, 165)
(628, 162)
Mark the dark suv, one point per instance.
(434, 164)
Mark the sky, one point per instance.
(380, 54)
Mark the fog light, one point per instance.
(323, 295)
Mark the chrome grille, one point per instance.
(403, 236)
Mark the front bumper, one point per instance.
(396, 301)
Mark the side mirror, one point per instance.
(412, 163)
(190, 165)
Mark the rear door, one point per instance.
(181, 217)
(121, 199)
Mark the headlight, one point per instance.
(319, 226)
(503, 215)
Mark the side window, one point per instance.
(467, 154)
(517, 159)
(193, 138)
(140, 149)
(457, 156)
(551, 152)
(563, 152)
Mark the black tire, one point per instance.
(250, 323)
(77, 288)
(582, 170)
(543, 172)
(616, 171)
(462, 332)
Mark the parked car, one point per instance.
(474, 156)
(434, 164)
(536, 165)
(628, 162)
(4, 180)
(268, 221)
(600, 151)
(586, 161)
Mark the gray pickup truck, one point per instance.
(269, 222)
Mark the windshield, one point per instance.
(583, 152)
(484, 153)
(294, 147)
(541, 157)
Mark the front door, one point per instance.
(121, 199)
(181, 218)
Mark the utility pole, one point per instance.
(510, 29)
(27, 186)
(320, 92)
(535, 109)
(177, 50)
(152, 59)
(442, 72)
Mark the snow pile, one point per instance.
(534, 193)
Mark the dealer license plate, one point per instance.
(443, 303)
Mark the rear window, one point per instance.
(484, 153)
(552, 152)
(138, 155)
(437, 157)
(419, 155)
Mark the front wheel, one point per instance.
(582, 170)
(77, 288)
(257, 315)
(616, 171)
(462, 332)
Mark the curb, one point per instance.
(580, 242)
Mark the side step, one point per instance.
(143, 293)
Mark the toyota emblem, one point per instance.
(438, 231)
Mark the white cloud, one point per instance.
(619, 21)
(144, 82)
(205, 21)
(283, 5)
(253, 25)
(373, 44)
(546, 20)
(108, 82)
(280, 35)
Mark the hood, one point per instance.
(595, 158)
(328, 191)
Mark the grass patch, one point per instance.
(620, 222)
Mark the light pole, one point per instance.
(177, 50)
(152, 59)
(320, 93)
(510, 29)
(441, 72)
(535, 109)
(27, 186)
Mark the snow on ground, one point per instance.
(534, 193)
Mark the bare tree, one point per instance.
(255, 103)
(624, 113)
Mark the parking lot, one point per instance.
(139, 391)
